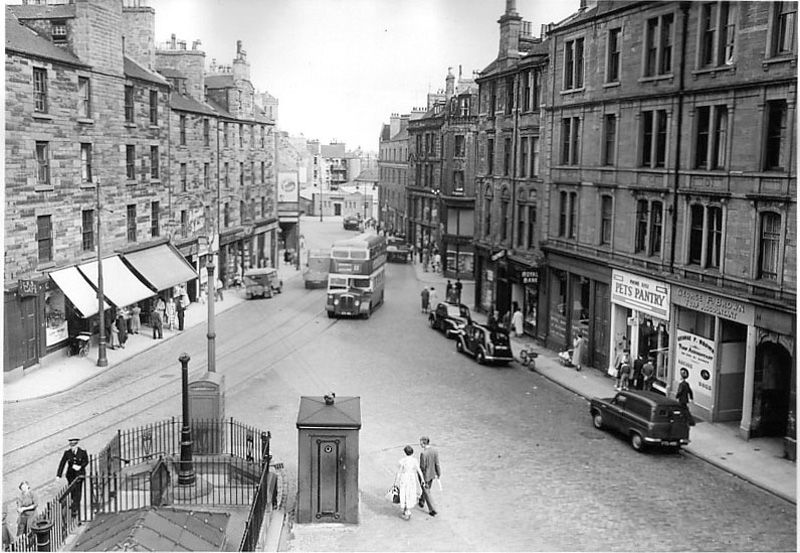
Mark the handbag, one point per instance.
(393, 494)
(613, 372)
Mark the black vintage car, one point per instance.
(450, 318)
(351, 222)
(485, 344)
(645, 418)
(397, 251)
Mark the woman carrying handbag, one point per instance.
(408, 474)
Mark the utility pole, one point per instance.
(102, 360)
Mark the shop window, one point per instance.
(695, 322)
(580, 298)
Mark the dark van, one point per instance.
(645, 418)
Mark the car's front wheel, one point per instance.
(481, 357)
(459, 346)
(432, 322)
(597, 420)
(637, 442)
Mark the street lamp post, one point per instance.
(102, 360)
(212, 293)
(186, 475)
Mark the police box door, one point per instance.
(327, 477)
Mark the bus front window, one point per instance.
(362, 283)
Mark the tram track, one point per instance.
(293, 329)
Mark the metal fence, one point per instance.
(265, 493)
(58, 512)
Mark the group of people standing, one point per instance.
(639, 374)
(413, 475)
(510, 320)
(169, 313)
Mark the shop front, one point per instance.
(575, 296)
(640, 321)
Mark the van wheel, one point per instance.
(481, 357)
(597, 420)
(637, 442)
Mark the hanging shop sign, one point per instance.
(27, 288)
(642, 294)
(499, 255)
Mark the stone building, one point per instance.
(510, 187)
(95, 134)
(393, 173)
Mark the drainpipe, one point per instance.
(676, 170)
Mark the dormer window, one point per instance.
(59, 31)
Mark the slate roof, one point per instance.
(385, 130)
(220, 81)
(221, 111)
(152, 529)
(33, 11)
(24, 40)
(172, 73)
(136, 71)
(186, 103)
(369, 175)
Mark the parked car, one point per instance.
(397, 250)
(450, 318)
(351, 222)
(486, 345)
(645, 418)
(262, 283)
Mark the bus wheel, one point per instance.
(367, 314)
(330, 314)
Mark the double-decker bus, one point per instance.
(357, 276)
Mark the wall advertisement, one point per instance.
(697, 355)
(287, 187)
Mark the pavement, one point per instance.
(758, 461)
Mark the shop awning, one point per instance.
(161, 266)
(78, 290)
(120, 285)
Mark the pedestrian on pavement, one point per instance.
(636, 373)
(648, 375)
(7, 538)
(74, 460)
(26, 508)
(425, 297)
(122, 329)
(425, 258)
(434, 298)
(624, 370)
(126, 314)
(113, 334)
(180, 309)
(170, 320)
(458, 286)
(579, 347)
(406, 479)
(429, 465)
(158, 319)
(136, 319)
(412, 251)
(437, 262)
(684, 395)
(506, 320)
(516, 320)
(493, 319)
(448, 292)
(218, 290)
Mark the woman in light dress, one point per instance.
(408, 475)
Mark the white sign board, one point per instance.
(642, 294)
(287, 187)
(696, 355)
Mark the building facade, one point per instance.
(393, 173)
(107, 156)
(672, 198)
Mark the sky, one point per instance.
(340, 68)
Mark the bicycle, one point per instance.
(528, 357)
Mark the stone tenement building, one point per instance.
(393, 172)
(667, 199)
(98, 116)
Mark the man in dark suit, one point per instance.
(75, 460)
(429, 465)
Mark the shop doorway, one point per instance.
(772, 381)
(30, 338)
(337, 209)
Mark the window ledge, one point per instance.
(713, 70)
(655, 78)
(790, 59)
(85, 185)
(44, 265)
(154, 127)
(614, 84)
(129, 125)
(573, 91)
(43, 116)
(85, 120)
(130, 182)
(44, 188)
(155, 181)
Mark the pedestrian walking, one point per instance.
(425, 297)
(458, 286)
(122, 330)
(113, 334)
(425, 258)
(623, 370)
(74, 460)
(448, 293)
(218, 290)
(506, 320)
(126, 314)
(684, 395)
(493, 319)
(26, 508)
(434, 298)
(158, 319)
(437, 262)
(180, 309)
(516, 320)
(648, 375)
(429, 465)
(170, 320)
(406, 479)
(579, 347)
(136, 319)
(636, 373)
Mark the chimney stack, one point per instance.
(510, 26)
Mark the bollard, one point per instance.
(41, 529)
